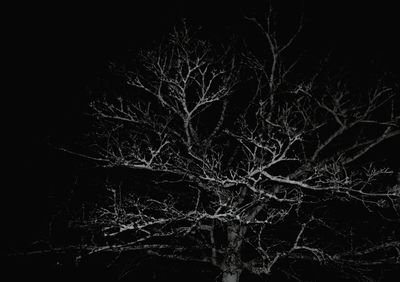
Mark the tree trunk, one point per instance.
(232, 265)
(231, 277)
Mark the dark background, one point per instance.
(61, 49)
(58, 51)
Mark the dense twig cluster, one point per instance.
(294, 150)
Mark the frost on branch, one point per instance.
(257, 191)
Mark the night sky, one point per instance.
(61, 50)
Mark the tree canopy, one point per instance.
(246, 164)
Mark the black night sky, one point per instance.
(60, 51)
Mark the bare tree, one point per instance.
(261, 188)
